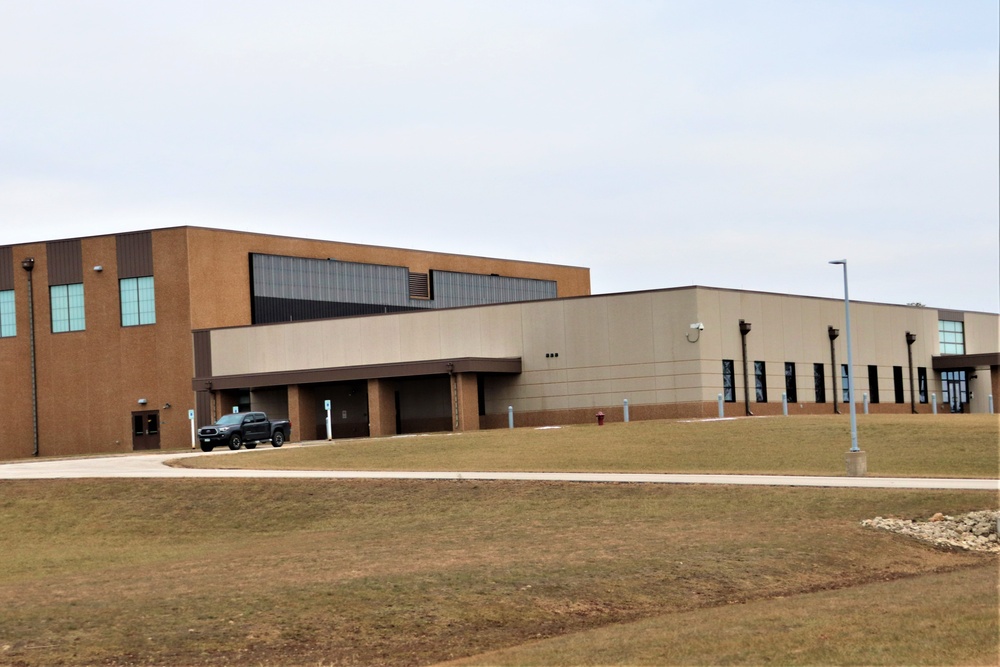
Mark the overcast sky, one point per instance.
(730, 144)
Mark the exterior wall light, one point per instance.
(142, 401)
(744, 330)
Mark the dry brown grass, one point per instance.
(897, 445)
(293, 572)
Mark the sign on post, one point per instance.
(194, 440)
(329, 422)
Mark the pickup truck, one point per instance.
(244, 428)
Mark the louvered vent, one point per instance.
(420, 287)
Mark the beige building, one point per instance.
(669, 353)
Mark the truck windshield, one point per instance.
(234, 418)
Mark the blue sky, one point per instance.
(731, 144)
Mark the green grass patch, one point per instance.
(897, 445)
(314, 572)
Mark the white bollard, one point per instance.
(934, 403)
(991, 412)
(626, 410)
(510, 416)
(865, 397)
(722, 411)
(784, 404)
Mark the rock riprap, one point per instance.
(975, 531)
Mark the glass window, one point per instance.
(67, 308)
(819, 380)
(728, 381)
(873, 384)
(844, 378)
(897, 383)
(138, 298)
(791, 392)
(922, 384)
(760, 378)
(951, 337)
(8, 321)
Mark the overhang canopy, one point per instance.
(952, 361)
(509, 366)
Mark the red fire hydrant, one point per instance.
(600, 419)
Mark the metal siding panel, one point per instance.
(6, 268)
(135, 254)
(65, 262)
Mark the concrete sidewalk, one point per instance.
(152, 466)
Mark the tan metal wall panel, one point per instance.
(65, 262)
(135, 254)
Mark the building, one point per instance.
(671, 353)
(96, 347)
(128, 333)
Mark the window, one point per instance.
(760, 377)
(67, 308)
(951, 336)
(819, 380)
(728, 380)
(873, 383)
(8, 322)
(844, 378)
(897, 383)
(791, 392)
(138, 301)
(922, 384)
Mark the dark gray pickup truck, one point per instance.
(244, 428)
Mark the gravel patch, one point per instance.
(975, 531)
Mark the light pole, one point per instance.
(28, 264)
(850, 368)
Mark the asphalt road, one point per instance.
(152, 466)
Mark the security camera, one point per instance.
(699, 326)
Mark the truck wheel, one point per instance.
(251, 445)
(205, 447)
(278, 439)
(235, 443)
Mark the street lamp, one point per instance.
(850, 360)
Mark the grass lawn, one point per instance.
(897, 445)
(316, 572)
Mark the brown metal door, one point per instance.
(146, 430)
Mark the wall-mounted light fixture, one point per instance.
(744, 330)
(98, 268)
(142, 401)
(833, 333)
(166, 406)
(910, 340)
(28, 264)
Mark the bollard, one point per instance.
(784, 404)
(722, 411)
(626, 410)
(991, 412)
(865, 397)
(934, 403)
(510, 416)
(600, 419)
